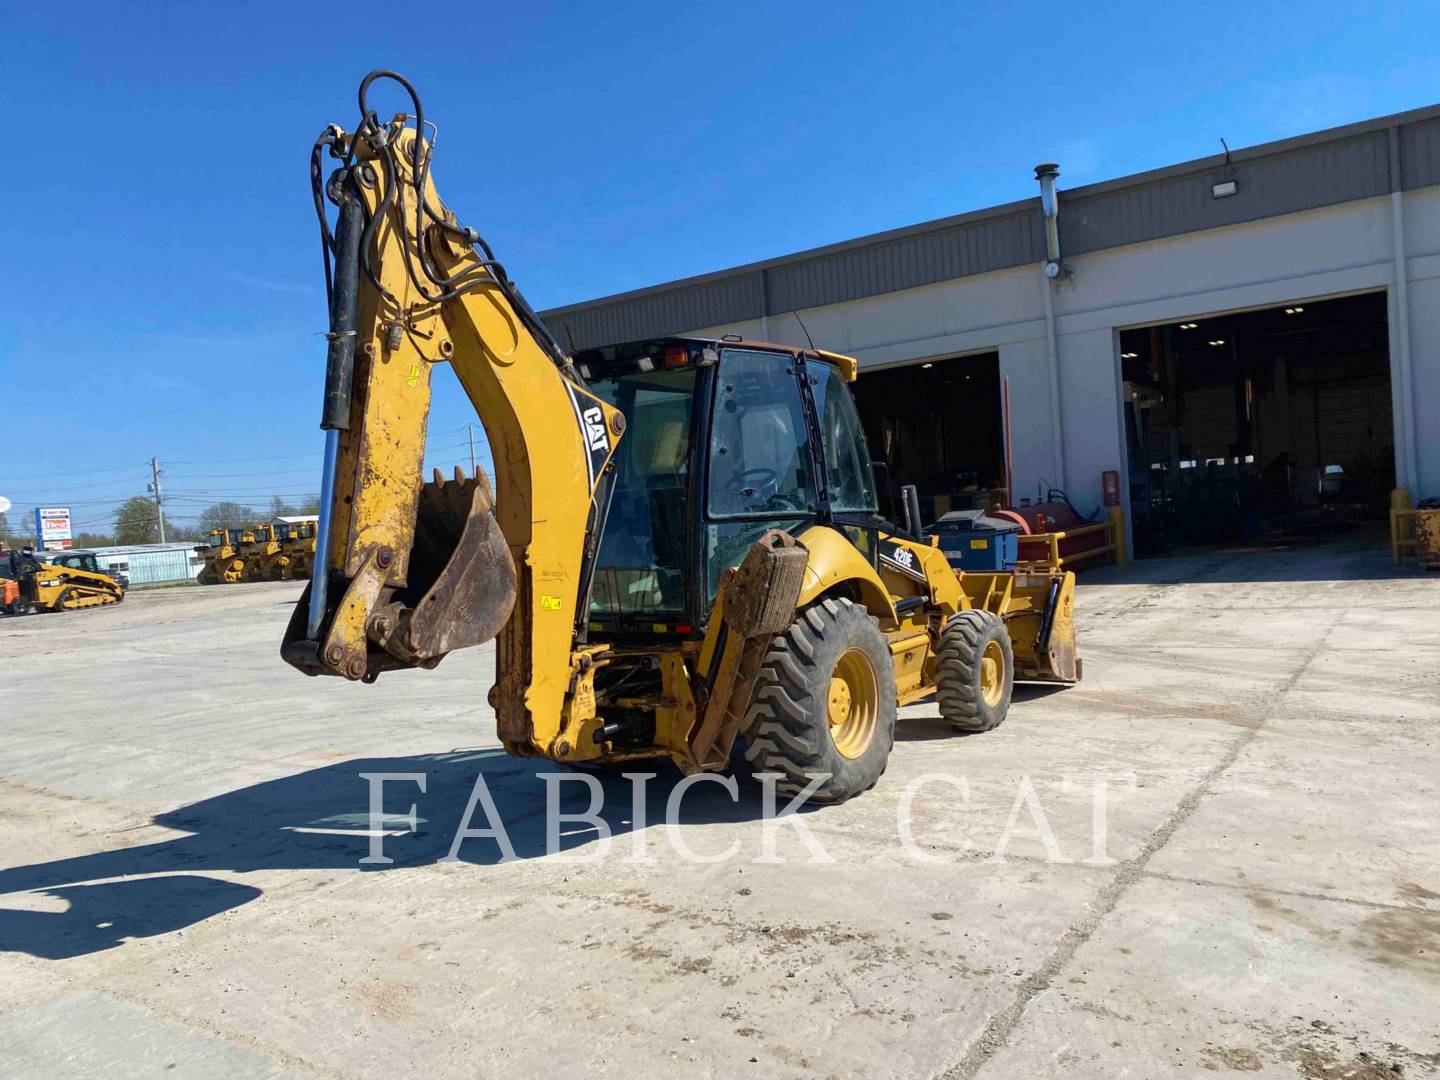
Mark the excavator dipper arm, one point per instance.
(408, 571)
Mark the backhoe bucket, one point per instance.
(460, 589)
(462, 576)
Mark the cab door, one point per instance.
(847, 481)
(761, 462)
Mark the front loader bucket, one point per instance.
(1037, 607)
(459, 590)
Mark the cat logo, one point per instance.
(595, 428)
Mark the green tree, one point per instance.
(91, 539)
(136, 523)
(309, 505)
(226, 515)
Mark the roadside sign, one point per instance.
(52, 527)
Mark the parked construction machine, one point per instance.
(296, 556)
(58, 581)
(223, 562)
(683, 553)
(262, 553)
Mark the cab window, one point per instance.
(849, 480)
(760, 461)
(640, 567)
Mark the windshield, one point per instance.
(640, 567)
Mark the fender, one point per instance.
(834, 560)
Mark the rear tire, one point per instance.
(974, 671)
(824, 703)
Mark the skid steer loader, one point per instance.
(683, 553)
(59, 581)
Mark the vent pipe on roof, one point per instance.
(1054, 272)
(1050, 207)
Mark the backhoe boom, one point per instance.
(408, 571)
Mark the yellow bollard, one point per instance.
(1117, 536)
(1399, 500)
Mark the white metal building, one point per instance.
(1267, 322)
(146, 564)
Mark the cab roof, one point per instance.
(656, 347)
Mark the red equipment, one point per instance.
(1040, 521)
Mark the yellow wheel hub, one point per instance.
(853, 703)
(992, 673)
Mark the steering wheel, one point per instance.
(752, 482)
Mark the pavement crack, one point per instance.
(1294, 894)
(1002, 1024)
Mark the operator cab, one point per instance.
(73, 560)
(219, 538)
(724, 440)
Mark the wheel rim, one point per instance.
(853, 703)
(992, 673)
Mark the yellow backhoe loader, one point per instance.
(59, 581)
(224, 565)
(683, 554)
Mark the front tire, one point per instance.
(974, 671)
(824, 703)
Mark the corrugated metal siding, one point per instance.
(1356, 168)
(1288, 178)
(906, 262)
(148, 567)
(1420, 154)
(708, 303)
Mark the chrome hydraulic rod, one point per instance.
(320, 575)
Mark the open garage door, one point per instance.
(1263, 426)
(937, 425)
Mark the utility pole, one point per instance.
(470, 430)
(155, 488)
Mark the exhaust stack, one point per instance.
(1050, 206)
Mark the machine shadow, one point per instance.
(320, 820)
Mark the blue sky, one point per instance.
(163, 292)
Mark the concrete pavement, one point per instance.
(181, 892)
